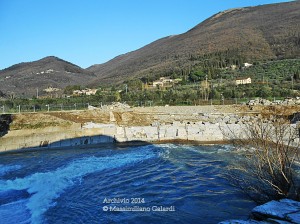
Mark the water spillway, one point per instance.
(167, 183)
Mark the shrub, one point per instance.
(271, 147)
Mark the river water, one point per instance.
(113, 184)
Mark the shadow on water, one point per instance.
(5, 120)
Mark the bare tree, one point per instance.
(271, 147)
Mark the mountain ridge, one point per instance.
(260, 32)
(24, 78)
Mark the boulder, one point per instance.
(92, 108)
(294, 217)
(285, 211)
(240, 222)
(276, 209)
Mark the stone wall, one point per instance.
(209, 128)
(92, 133)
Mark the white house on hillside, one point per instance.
(243, 80)
(163, 81)
(247, 65)
(87, 92)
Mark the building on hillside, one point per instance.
(163, 82)
(243, 81)
(157, 83)
(87, 92)
(51, 90)
(247, 65)
(90, 92)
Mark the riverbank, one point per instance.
(199, 124)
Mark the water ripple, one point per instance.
(71, 185)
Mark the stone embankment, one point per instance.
(207, 129)
(265, 102)
(202, 124)
(284, 211)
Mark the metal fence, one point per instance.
(5, 109)
(11, 109)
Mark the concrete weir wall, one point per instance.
(201, 128)
(54, 137)
(93, 133)
(200, 132)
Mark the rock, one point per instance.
(294, 217)
(277, 102)
(226, 119)
(285, 211)
(155, 124)
(252, 103)
(241, 222)
(275, 209)
(232, 119)
(118, 105)
(246, 118)
(291, 202)
(219, 120)
(276, 221)
(112, 117)
(265, 102)
(92, 108)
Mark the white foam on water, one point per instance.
(5, 169)
(46, 187)
(226, 148)
(191, 148)
(169, 147)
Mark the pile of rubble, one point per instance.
(114, 105)
(118, 105)
(264, 102)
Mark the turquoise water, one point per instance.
(104, 185)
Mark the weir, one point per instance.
(199, 124)
(87, 135)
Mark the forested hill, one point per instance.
(231, 37)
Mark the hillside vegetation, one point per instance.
(231, 37)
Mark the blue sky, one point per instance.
(87, 32)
